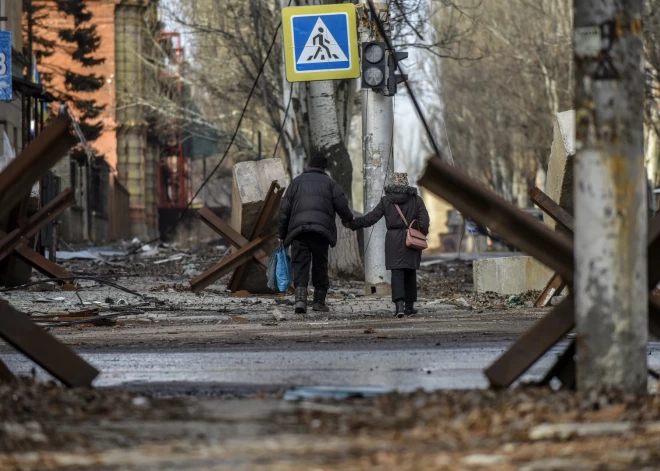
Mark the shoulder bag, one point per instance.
(414, 238)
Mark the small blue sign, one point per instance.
(321, 42)
(6, 93)
(471, 227)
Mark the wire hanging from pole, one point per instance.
(231, 141)
(418, 108)
(286, 114)
(416, 104)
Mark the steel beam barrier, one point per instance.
(45, 350)
(33, 163)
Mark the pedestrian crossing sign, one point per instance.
(320, 42)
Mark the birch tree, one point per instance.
(326, 137)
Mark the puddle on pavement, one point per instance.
(333, 392)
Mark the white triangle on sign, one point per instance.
(321, 46)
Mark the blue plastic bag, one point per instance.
(271, 272)
(283, 269)
(279, 270)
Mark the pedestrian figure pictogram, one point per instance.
(320, 42)
(321, 47)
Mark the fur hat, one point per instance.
(401, 179)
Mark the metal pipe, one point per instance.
(33, 162)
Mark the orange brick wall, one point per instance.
(103, 17)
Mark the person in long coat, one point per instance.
(401, 260)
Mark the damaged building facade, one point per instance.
(119, 188)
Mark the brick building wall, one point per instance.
(103, 12)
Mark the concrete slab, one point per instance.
(559, 180)
(251, 181)
(510, 275)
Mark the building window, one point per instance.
(75, 183)
(99, 187)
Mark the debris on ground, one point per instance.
(278, 315)
(44, 426)
(453, 281)
(30, 412)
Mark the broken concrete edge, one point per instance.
(510, 275)
(378, 289)
(251, 181)
(559, 178)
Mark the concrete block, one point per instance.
(251, 181)
(510, 275)
(559, 180)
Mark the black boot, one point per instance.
(400, 309)
(301, 300)
(410, 309)
(319, 300)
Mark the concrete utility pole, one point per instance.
(377, 133)
(611, 292)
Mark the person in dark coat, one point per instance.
(401, 260)
(307, 223)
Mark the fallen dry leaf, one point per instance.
(608, 414)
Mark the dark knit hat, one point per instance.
(318, 160)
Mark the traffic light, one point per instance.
(374, 65)
(393, 78)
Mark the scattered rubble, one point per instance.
(30, 411)
(451, 282)
(43, 426)
(278, 315)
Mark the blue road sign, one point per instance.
(320, 42)
(324, 41)
(5, 66)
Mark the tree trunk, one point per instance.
(326, 137)
(345, 259)
(345, 94)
